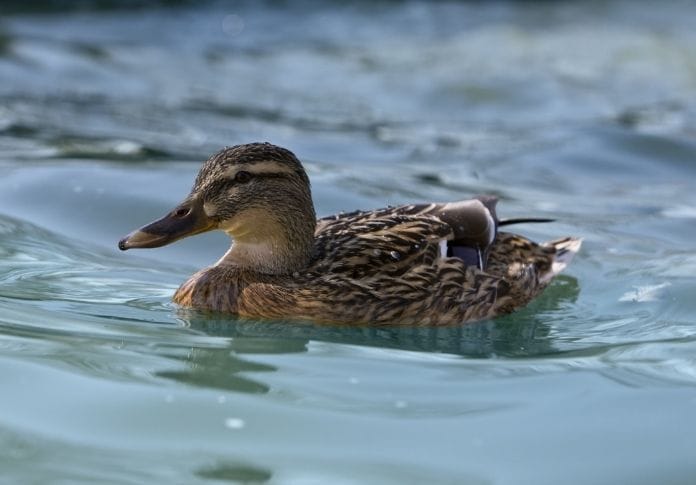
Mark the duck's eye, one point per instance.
(242, 177)
(182, 212)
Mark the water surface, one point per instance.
(583, 112)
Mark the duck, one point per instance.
(416, 264)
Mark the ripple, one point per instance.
(658, 363)
(41, 266)
(646, 293)
(123, 150)
(680, 212)
(53, 287)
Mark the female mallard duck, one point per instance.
(425, 263)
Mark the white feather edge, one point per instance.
(443, 248)
(569, 249)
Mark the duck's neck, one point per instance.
(271, 247)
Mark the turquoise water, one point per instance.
(584, 112)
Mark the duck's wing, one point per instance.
(474, 226)
(395, 239)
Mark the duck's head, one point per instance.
(259, 194)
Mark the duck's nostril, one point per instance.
(182, 212)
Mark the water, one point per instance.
(580, 111)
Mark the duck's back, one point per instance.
(399, 265)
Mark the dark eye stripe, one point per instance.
(271, 175)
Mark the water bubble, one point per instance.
(234, 423)
(395, 255)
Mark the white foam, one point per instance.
(645, 293)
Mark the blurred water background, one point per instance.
(581, 111)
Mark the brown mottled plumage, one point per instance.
(416, 264)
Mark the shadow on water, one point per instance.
(218, 368)
(236, 473)
(231, 367)
(5, 43)
(523, 334)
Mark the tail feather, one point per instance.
(565, 248)
(524, 220)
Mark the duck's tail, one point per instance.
(565, 248)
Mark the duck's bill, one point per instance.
(185, 220)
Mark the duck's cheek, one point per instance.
(253, 225)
